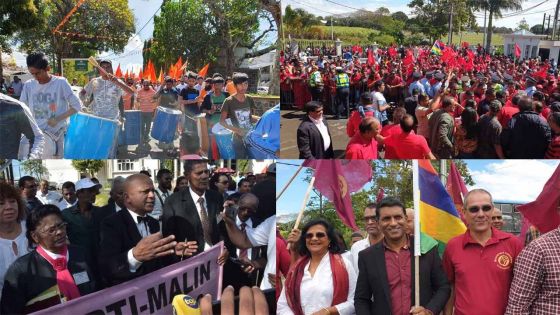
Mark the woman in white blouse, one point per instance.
(321, 281)
(13, 242)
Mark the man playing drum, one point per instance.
(212, 104)
(51, 101)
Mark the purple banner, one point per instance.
(152, 293)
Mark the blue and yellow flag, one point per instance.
(438, 216)
(438, 48)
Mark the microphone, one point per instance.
(185, 305)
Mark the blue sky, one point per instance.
(321, 7)
(507, 180)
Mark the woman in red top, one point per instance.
(299, 84)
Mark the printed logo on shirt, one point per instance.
(503, 260)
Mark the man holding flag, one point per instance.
(386, 278)
(479, 263)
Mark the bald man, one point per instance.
(131, 243)
(497, 219)
(363, 144)
(409, 221)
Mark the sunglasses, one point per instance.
(317, 235)
(484, 208)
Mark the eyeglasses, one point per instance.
(484, 208)
(53, 229)
(317, 235)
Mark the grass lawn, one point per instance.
(358, 35)
(103, 198)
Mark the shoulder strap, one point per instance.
(159, 197)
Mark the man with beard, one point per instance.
(374, 235)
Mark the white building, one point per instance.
(531, 45)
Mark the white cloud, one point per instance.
(514, 180)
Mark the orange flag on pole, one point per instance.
(204, 70)
(178, 65)
(160, 78)
(118, 73)
(152, 69)
(126, 75)
(140, 74)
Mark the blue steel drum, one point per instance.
(132, 127)
(224, 139)
(90, 137)
(165, 124)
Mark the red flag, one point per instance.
(456, 188)
(370, 58)
(339, 178)
(153, 76)
(517, 51)
(126, 75)
(392, 51)
(380, 194)
(541, 73)
(465, 45)
(543, 212)
(140, 74)
(409, 58)
(118, 73)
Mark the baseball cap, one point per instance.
(86, 183)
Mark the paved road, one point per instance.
(289, 123)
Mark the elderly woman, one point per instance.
(13, 243)
(321, 281)
(52, 273)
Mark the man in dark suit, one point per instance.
(190, 214)
(131, 244)
(116, 198)
(386, 269)
(313, 135)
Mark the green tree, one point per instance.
(88, 166)
(100, 25)
(35, 168)
(461, 167)
(432, 17)
(17, 16)
(495, 8)
(523, 25)
(399, 15)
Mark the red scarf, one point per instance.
(295, 275)
(64, 279)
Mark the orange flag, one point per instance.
(230, 88)
(204, 70)
(178, 65)
(118, 73)
(126, 75)
(152, 69)
(160, 78)
(140, 74)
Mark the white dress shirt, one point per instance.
(249, 227)
(265, 234)
(158, 204)
(356, 249)
(317, 291)
(324, 132)
(50, 198)
(195, 198)
(63, 204)
(133, 263)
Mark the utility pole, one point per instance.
(484, 37)
(548, 26)
(555, 20)
(543, 19)
(332, 30)
(450, 36)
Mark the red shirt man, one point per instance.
(407, 144)
(363, 144)
(479, 263)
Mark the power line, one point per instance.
(312, 7)
(511, 14)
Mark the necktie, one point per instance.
(144, 220)
(205, 222)
(64, 280)
(243, 252)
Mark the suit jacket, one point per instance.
(181, 218)
(119, 234)
(107, 209)
(441, 134)
(310, 142)
(373, 296)
(31, 276)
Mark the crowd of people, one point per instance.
(483, 271)
(41, 112)
(56, 247)
(459, 103)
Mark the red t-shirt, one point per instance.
(406, 146)
(506, 113)
(353, 124)
(481, 276)
(392, 129)
(360, 149)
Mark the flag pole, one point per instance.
(289, 182)
(303, 204)
(416, 198)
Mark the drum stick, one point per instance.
(94, 63)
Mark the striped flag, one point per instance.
(438, 216)
(438, 48)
